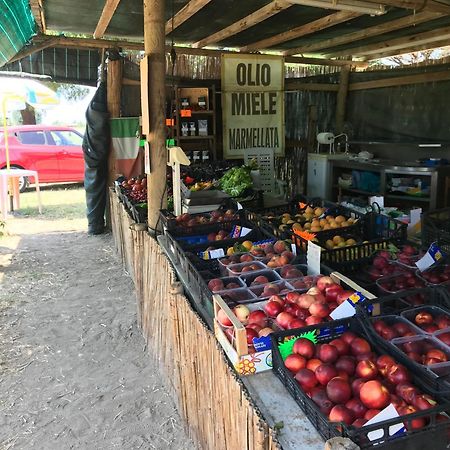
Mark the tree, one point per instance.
(71, 92)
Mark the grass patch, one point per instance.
(57, 203)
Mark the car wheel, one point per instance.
(23, 181)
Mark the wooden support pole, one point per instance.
(342, 98)
(114, 89)
(154, 45)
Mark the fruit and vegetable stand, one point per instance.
(224, 308)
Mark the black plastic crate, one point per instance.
(169, 222)
(436, 228)
(378, 233)
(435, 432)
(394, 305)
(139, 213)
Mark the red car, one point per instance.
(55, 152)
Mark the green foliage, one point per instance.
(236, 180)
(71, 92)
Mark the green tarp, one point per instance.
(17, 26)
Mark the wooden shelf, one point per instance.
(408, 197)
(200, 112)
(356, 191)
(210, 136)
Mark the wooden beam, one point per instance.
(303, 30)
(341, 100)
(429, 77)
(29, 50)
(86, 43)
(298, 85)
(425, 38)
(249, 21)
(185, 13)
(108, 11)
(416, 5)
(325, 62)
(412, 49)
(41, 12)
(154, 42)
(411, 20)
(38, 14)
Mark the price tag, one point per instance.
(379, 199)
(313, 258)
(347, 308)
(212, 254)
(432, 256)
(185, 113)
(239, 206)
(240, 231)
(170, 122)
(294, 249)
(146, 157)
(387, 413)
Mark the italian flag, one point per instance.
(125, 145)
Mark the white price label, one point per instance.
(313, 258)
(387, 413)
(239, 206)
(432, 256)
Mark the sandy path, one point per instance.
(73, 371)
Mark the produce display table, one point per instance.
(271, 397)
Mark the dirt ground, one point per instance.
(74, 373)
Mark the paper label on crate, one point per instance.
(432, 256)
(262, 343)
(239, 206)
(239, 231)
(313, 258)
(347, 308)
(387, 413)
(378, 199)
(414, 217)
(294, 249)
(212, 254)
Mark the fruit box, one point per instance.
(399, 432)
(237, 350)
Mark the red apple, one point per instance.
(384, 362)
(423, 402)
(332, 291)
(442, 321)
(359, 345)
(259, 317)
(251, 333)
(401, 328)
(295, 362)
(423, 318)
(319, 309)
(436, 354)
(306, 379)
(338, 390)
(371, 413)
(343, 296)
(291, 308)
(324, 373)
(301, 313)
(356, 386)
(366, 369)
(313, 364)
(306, 300)
(348, 337)
(347, 364)
(276, 298)
(223, 319)
(342, 347)
(328, 353)
(292, 297)
(215, 285)
(265, 331)
(358, 423)
(374, 395)
(304, 347)
(319, 397)
(296, 323)
(406, 391)
(340, 413)
(283, 319)
(444, 337)
(413, 424)
(313, 320)
(272, 308)
(356, 407)
(397, 374)
(324, 282)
